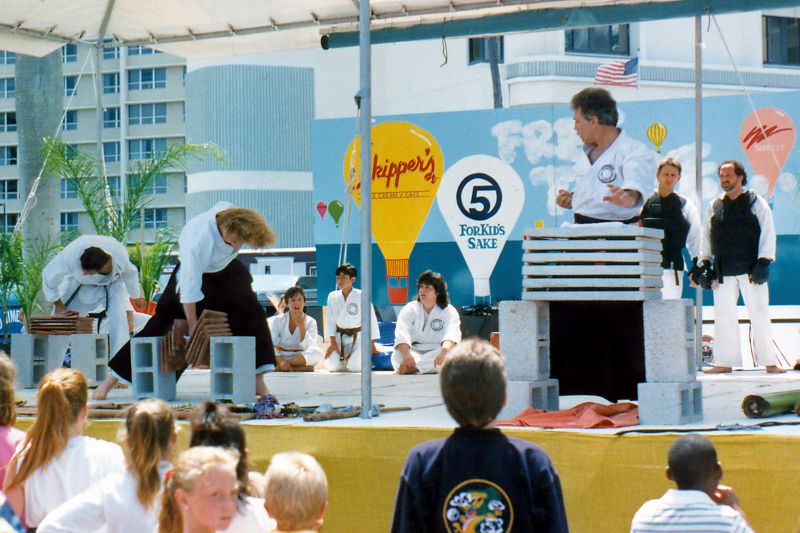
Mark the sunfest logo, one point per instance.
(758, 135)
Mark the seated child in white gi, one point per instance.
(294, 333)
(343, 323)
(427, 328)
(296, 492)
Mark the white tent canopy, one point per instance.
(214, 28)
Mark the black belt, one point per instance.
(350, 332)
(99, 315)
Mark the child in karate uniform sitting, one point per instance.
(294, 333)
(427, 328)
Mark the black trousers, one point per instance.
(228, 290)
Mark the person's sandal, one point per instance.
(775, 369)
(718, 370)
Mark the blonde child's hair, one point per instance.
(296, 490)
(149, 427)
(60, 401)
(8, 408)
(248, 225)
(191, 465)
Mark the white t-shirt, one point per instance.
(281, 336)
(201, 250)
(84, 462)
(251, 517)
(346, 313)
(687, 510)
(626, 163)
(426, 331)
(109, 505)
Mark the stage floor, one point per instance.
(605, 477)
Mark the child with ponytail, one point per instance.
(125, 502)
(200, 494)
(55, 461)
(10, 437)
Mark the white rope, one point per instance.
(30, 201)
(747, 94)
(109, 205)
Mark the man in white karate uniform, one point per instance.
(94, 274)
(427, 328)
(736, 251)
(343, 323)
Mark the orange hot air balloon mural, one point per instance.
(768, 144)
(657, 132)
(407, 166)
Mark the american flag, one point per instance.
(624, 73)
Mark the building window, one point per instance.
(7, 88)
(147, 78)
(158, 185)
(7, 58)
(9, 189)
(70, 120)
(111, 152)
(479, 49)
(69, 53)
(111, 117)
(113, 187)
(155, 218)
(146, 148)
(69, 222)
(70, 85)
(9, 221)
(140, 50)
(69, 191)
(111, 83)
(110, 52)
(609, 40)
(183, 75)
(781, 41)
(8, 121)
(147, 114)
(8, 156)
(185, 183)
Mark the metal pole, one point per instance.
(698, 171)
(366, 207)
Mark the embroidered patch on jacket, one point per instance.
(478, 506)
(607, 174)
(437, 324)
(352, 309)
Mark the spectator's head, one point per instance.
(239, 226)
(8, 407)
(668, 173)
(473, 382)
(214, 425)
(432, 289)
(346, 276)
(296, 491)
(61, 409)
(731, 172)
(200, 492)
(93, 259)
(594, 109)
(149, 437)
(295, 298)
(692, 464)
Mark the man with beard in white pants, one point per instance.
(427, 328)
(343, 323)
(737, 249)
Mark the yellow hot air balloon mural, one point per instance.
(657, 132)
(407, 167)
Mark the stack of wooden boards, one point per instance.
(173, 347)
(60, 325)
(210, 324)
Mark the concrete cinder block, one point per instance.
(539, 394)
(670, 403)
(525, 339)
(669, 348)
(56, 350)
(148, 380)
(90, 355)
(233, 360)
(23, 354)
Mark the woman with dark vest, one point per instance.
(208, 276)
(737, 249)
(678, 217)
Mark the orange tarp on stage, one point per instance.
(605, 478)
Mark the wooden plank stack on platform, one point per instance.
(60, 325)
(592, 262)
(211, 324)
(173, 347)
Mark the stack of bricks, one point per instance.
(210, 324)
(672, 394)
(173, 347)
(60, 325)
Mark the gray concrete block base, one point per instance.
(670, 403)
